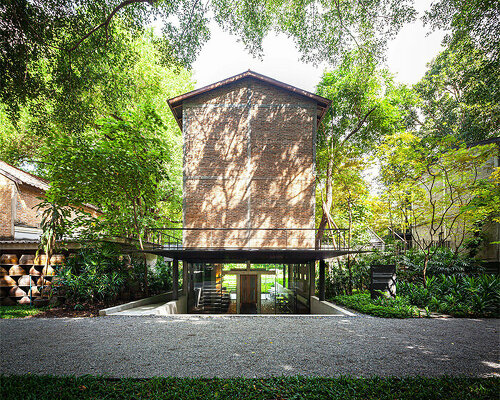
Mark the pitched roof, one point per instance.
(25, 178)
(176, 102)
(22, 177)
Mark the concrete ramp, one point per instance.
(156, 305)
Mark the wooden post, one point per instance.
(321, 283)
(175, 280)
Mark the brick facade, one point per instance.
(18, 207)
(249, 163)
(6, 217)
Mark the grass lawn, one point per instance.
(345, 388)
(381, 307)
(8, 312)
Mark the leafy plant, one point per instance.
(456, 295)
(93, 274)
(444, 261)
(398, 307)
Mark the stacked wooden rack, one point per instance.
(28, 278)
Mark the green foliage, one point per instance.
(474, 19)
(366, 105)
(123, 172)
(398, 307)
(438, 188)
(91, 275)
(338, 280)
(444, 261)
(456, 295)
(297, 387)
(160, 277)
(56, 36)
(9, 312)
(460, 94)
(54, 225)
(122, 152)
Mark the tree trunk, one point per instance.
(349, 267)
(326, 205)
(424, 275)
(139, 236)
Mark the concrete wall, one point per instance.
(173, 307)
(249, 163)
(327, 308)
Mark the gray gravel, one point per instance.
(249, 346)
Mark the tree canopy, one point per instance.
(68, 37)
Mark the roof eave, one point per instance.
(176, 101)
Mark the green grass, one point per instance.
(9, 312)
(267, 281)
(345, 388)
(381, 307)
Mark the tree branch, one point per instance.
(106, 23)
(359, 126)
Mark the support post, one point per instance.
(321, 283)
(175, 280)
(185, 278)
(312, 278)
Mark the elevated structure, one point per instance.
(249, 153)
(249, 195)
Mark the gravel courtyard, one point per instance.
(249, 346)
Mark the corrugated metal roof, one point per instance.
(22, 177)
(176, 102)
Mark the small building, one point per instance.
(249, 196)
(20, 194)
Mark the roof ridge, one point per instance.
(176, 102)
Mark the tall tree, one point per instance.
(63, 34)
(475, 20)
(439, 189)
(460, 94)
(366, 105)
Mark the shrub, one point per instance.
(444, 261)
(337, 279)
(398, 307)
(160, 277)
(92, 274)
(455, 295)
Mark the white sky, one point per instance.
(224, 56)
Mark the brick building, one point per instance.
(20, 193)
(249, 162)
(249, 194)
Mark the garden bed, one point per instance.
(381, 307)
(63, 311)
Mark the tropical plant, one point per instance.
(92, 274)
(53, 224)
(456, 295)
(444, 261)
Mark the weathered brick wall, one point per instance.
(6, 223)
(18, 207)
(26, 212)
(249, 163)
